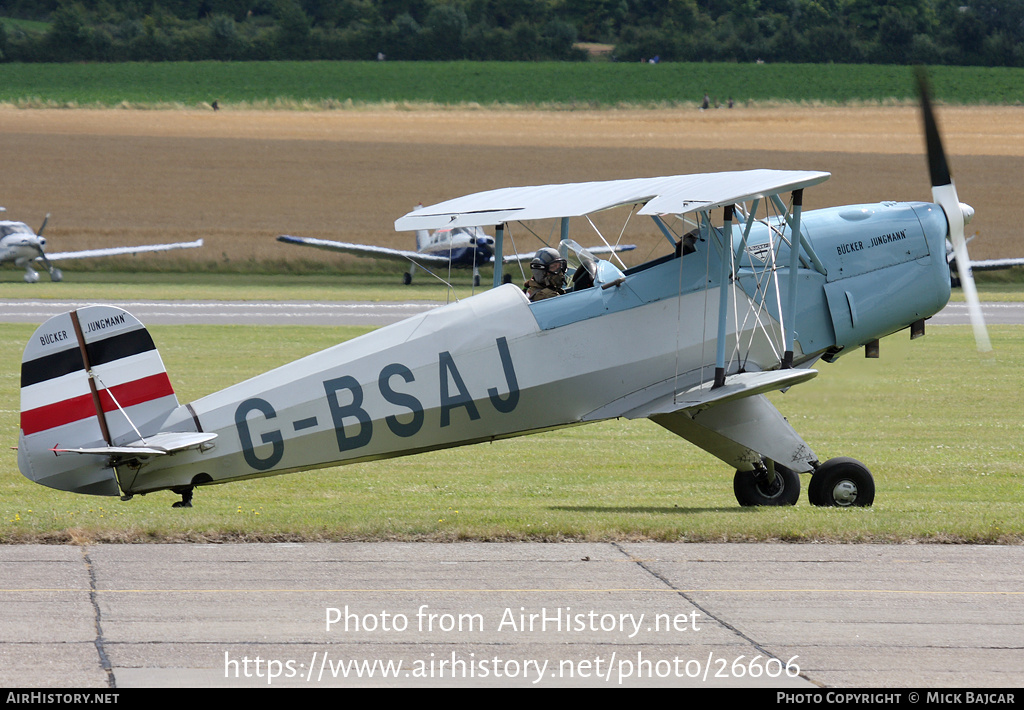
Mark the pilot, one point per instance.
(548, 269)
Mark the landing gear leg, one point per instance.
(771, 484)
(186, 497)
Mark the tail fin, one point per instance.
(422, 235)
(89, 378)
(422, 239)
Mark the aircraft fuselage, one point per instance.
(495, 365)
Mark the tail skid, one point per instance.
(93, 383)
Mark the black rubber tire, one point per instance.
(842, 483)
(751, 491)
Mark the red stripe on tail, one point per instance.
(78, 408)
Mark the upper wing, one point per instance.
(593, 250)
(365, 250)
(676, 194)
(114, 251)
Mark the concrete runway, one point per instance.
(338, 313)
(513, 615)
(227, 312)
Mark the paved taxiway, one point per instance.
(847, 616)
(516, 614)
(344, 313)
(228, 312)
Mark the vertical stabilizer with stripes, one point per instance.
(91, 380)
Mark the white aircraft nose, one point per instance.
(968, 212)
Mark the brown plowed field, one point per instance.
(239, 178)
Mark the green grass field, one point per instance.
(320, 85)
(938, 425)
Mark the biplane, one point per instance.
(751, 293)
(24, 247)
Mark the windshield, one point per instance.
(14, 228)
(585, 269)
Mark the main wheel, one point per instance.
(753, 488)
(842, 483)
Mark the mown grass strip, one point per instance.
(339, 85)
(938, 426)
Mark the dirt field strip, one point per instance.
(989, 130)
(238, 178)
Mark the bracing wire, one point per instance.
(765, 279)
(605, 241)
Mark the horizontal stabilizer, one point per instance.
(156, 445)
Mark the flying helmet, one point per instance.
(548, 268)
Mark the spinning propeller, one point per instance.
(957, 213)
(55, 273)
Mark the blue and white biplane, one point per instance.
(751, 293)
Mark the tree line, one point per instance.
(952, 32)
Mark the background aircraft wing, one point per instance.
(993, 264)
(115, 251)
(512, 258)
(677, 194)
(365, 250)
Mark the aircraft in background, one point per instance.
(459, 247)
(750, 294)
(982, 265)
(23, 246)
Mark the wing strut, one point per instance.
(794, 262)
(499, 244)
(100, 416)
(723, 297)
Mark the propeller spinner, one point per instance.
(957, 213)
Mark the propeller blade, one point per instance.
(43, 225)
(944, 194)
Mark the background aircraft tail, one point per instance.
(422, 237)
(90, 379)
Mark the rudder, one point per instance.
(89, 378)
